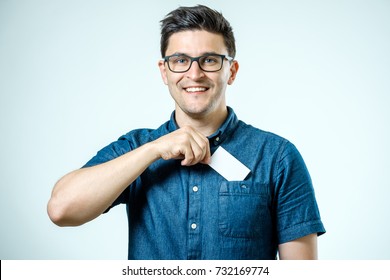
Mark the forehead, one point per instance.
(196, 42)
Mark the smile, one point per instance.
(196, 89)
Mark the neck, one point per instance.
(206, 124)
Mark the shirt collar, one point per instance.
(227, 127)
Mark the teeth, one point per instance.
(195, 89)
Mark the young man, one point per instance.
(179, 207)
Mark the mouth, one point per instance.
(197, 89)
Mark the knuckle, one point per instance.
(203, 145)
(190, 156)
(186, 128)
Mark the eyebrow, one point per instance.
(205, 53)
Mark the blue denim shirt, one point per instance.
(180, 212)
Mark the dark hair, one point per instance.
(197, 18)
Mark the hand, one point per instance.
(185, 143)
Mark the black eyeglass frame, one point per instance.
(228, 58)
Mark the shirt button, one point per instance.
(195, 188)
(216, 141)
(194, 226)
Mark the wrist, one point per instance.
(152, 151)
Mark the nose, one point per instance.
(195, 72)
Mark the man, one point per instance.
(179, 207)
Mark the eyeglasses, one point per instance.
(180, 63)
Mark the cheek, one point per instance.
(222, 80)
(173, 87)
(226, 75)
(172, 79)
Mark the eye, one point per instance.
(179, 60)
(210, 59)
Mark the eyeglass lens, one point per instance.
(182, 63)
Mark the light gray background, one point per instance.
(75, 75)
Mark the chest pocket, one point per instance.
(243, 209)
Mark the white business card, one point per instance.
(228, 166)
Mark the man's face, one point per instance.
(198, 93)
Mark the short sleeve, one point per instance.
(297, 212)
(113, 150)
(108, 153)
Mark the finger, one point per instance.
(195, 150)
(188, 155)
(207, 158)
(187, 144)
(203, 143)
(198, 150)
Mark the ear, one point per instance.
(163, 71)
(233, 71)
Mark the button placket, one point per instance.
(194, 242)
(195, 189)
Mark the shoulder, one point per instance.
(141, 136)
(256, 135)
(126, 143)
(269, 145)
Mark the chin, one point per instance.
(198, 111)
